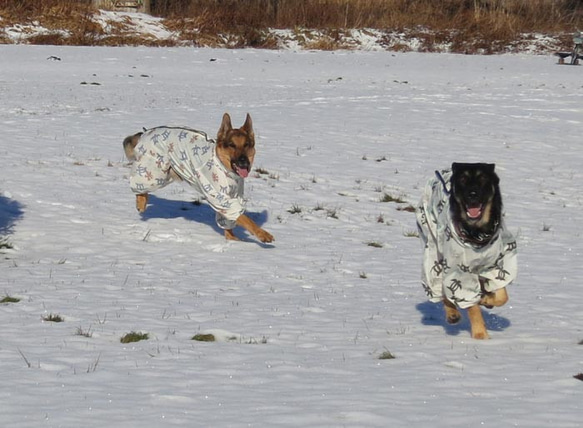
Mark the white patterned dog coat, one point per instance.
(453, 268)
(192, 156)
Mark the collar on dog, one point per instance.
(478, 239)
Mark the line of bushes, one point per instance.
(486, 26)
(503, 15)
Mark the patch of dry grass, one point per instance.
(134, 337)
(467, 26)
(484, 16)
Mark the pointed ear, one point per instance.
(225, 127)
(490, 170)
(248, 127)
(490, 167)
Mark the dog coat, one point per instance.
(192, 155)
(453, 268)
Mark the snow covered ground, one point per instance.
(301, 323)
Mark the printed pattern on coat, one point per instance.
(451, 267)
(192, 155)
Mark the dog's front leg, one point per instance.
(229, 235)
(250, 225)
(141, 202)
(477, 322)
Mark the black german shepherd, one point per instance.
(469, 258)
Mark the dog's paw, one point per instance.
(264, 236)
(452, 315)
(453, 318)
(480, 335)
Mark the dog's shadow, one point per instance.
(199, 212)
(434, 314)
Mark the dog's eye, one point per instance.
(230, 145)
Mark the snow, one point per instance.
(141, 24)
(300, 324)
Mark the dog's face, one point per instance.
(236, 147)
(475, 198)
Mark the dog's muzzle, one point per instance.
(241, 166)
(473, 205)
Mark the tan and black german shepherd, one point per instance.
(215, 168)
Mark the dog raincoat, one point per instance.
(192, 155)
(453, 268)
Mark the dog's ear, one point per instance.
(454, 167)
(248, 127)
(225, 128)
(489, 167)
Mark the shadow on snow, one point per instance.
(10, 213)
(434, 314)
(197, 212)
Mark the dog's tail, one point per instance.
(129, 144)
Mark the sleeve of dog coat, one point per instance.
(433, 267)
(227, 201)
(228, 209)
(505, 267)
(221, 191)
(224, 223)
(461, 287)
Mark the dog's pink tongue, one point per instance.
(242, 172)
(474, 212)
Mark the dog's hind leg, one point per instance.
(141, 202)
(497, 298)
(230, 236)
(452, 313)
(477, 322)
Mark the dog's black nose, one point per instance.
(243, 161)
(473, 195)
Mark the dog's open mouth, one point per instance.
(474, 212)
(241, 170)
